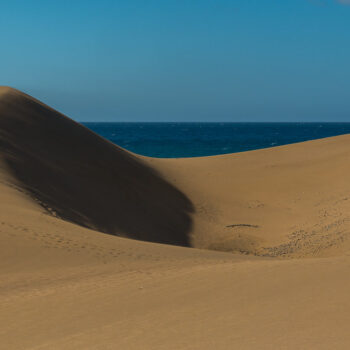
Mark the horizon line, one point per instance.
(218, 122)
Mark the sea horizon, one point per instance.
(198, 139)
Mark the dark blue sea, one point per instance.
(174, 140)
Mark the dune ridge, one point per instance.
(80, 177)
(273, 225)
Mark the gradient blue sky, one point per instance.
(200, 60)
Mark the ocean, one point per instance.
(176, 140)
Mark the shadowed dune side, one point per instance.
(82, 178)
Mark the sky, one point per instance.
(177, 60)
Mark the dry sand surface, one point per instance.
(104, 249)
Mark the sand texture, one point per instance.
(104, 249)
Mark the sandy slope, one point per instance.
(65, 285)
(289, 201)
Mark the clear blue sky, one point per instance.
(177, 60)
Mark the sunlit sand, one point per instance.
(104, 249)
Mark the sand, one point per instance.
(104, 249)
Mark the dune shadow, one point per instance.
(87, 180)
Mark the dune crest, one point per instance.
(80, 177)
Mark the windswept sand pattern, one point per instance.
(312, 242)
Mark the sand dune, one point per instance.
(274, 223)
(289, 201)
(82, 178)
